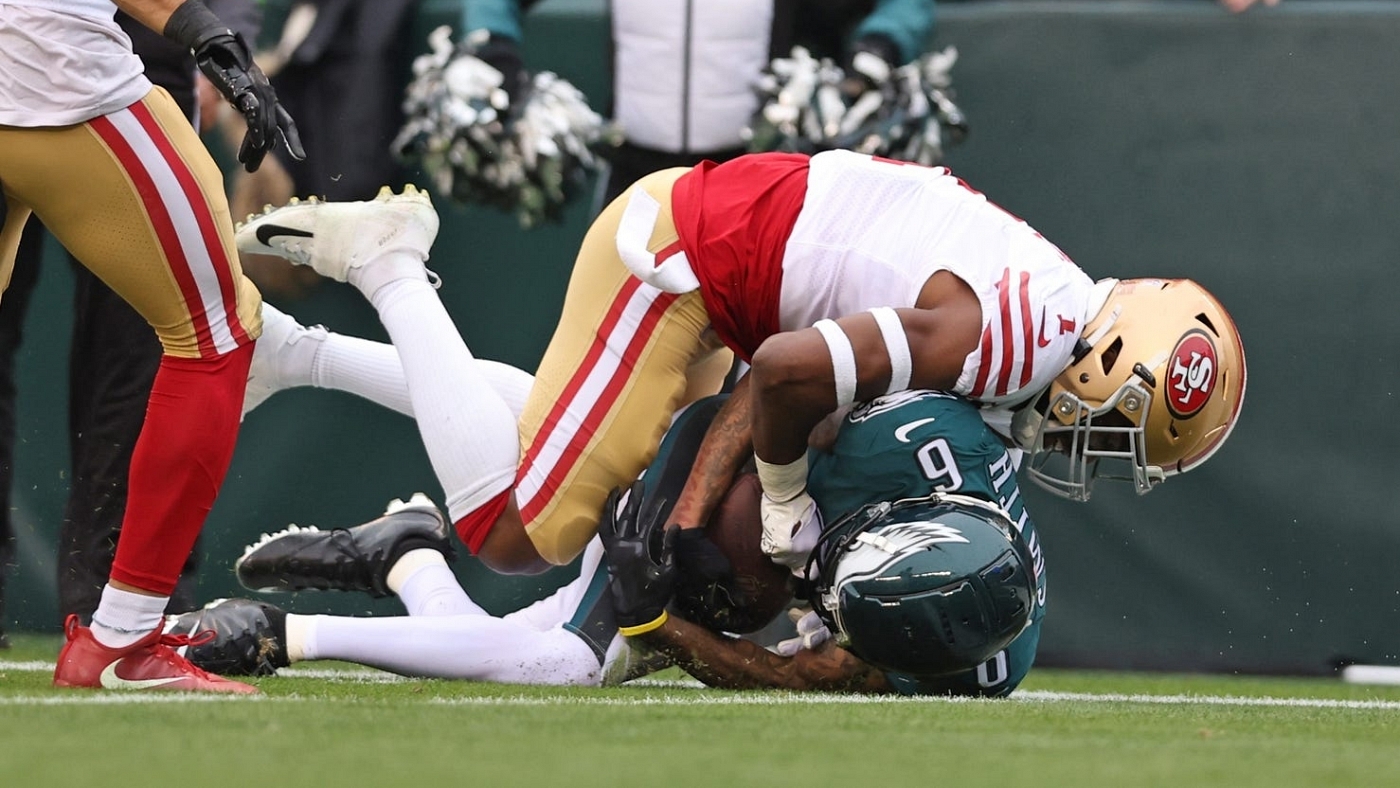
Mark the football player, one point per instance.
(892, 465)
(115, 171)
(840, 277)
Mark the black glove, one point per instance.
(224, 58)
(640, 550)
(503, 54)
(707, 592)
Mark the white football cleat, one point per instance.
(366, 243)
(285, 344)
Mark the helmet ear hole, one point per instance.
(1109, 357)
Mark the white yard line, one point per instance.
(683, 698)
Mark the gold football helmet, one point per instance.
(1156, 382)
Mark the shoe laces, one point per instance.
(164, 649)
(191, 639)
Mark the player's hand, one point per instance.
(790, 530)
(707, 592)
(641, 560)
(224, 58)
(811, 632)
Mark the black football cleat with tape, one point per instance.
(344, 559)
(249, 638)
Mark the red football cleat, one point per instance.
(149, 664)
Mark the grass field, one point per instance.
(342, 726)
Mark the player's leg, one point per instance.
(151, 221)
(446, 635)
(479, 648)
(618, 366)
(112, 361)
(380, 246)
(562, 639)
(289, 355)
(405, 552)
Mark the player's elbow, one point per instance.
(785, 370)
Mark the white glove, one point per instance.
(790, 530)
(811, 632)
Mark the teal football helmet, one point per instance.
(924, 586)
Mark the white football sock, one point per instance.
(123, 617)
(360, 366)
(427, 587)
(468, 430)
(479, 648)
(373, 370)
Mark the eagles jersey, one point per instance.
(779, 241)
(907, 445)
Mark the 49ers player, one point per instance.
(839, 277)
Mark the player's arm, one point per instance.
(151, 13)
(730, 663)
(798, 377)
(726, 447)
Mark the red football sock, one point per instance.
(179, 464)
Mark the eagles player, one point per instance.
(900, 447)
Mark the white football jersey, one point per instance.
(67, 61)
(871, 232)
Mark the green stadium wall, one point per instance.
(1253, 153)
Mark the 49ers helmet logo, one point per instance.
(1191, 374)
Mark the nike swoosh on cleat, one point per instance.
(110, 680)
(902, 433)
(266, 232)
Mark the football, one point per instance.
(736, 529)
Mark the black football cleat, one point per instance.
(234, 637)
(344, 559)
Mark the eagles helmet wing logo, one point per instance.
(1191, 374)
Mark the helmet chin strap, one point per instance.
(1099, 333)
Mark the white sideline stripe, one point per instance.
(369, 675)
(361, 675)
(1028, 696)
(1042, 696)
(33, 666)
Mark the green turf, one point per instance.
(351, 731)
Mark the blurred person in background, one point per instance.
(684, 74)
(339, 67)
